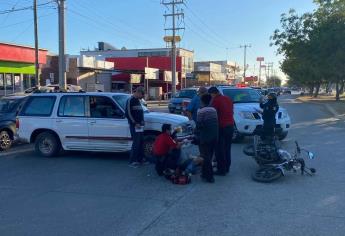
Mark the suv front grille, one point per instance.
(257, 116)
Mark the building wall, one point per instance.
(18, 53)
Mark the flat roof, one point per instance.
(22, 46)
(139, 49)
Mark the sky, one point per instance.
(214, 29)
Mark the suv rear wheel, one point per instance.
(47, 144)
(5, 140)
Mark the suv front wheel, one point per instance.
(47, 144)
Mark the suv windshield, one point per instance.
(242, 95)
(8, 105)
(187, 93)
(121, 99)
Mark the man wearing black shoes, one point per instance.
(225, 111)
(207, 127)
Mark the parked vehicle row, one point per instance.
(247, 116)
(9, 107)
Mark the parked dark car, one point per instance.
(9, 107)
(178, 103)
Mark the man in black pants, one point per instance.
(135, 116)
(225, 110)
(207, 127)
(270, 109)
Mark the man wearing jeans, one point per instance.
(207, 126)
(135, 116)
(225, 111)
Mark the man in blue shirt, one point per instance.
(194, 105)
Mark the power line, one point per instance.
(103, 20)
(23, 8)
(216, 36)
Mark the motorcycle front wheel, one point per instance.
(266, 174)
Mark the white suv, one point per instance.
(88, 122)
(247, 116)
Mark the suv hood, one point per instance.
(161, 118)
(253, 107)
(179, 100)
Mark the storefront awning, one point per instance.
(16, 68)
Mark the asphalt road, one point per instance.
(97, 194)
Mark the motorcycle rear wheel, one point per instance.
(266, 174)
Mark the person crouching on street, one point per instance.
(166, 150)
(207, 128)
(270, 109)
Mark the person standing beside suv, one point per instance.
(194, 105)
(225, 111)
(135, 114)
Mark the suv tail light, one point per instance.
(17, 123)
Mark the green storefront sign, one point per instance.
(17, 68)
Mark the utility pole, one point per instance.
(245, 46)
(62, 62)
(37, 65)
(174, 14)
(269, 68)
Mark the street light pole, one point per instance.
(37, 66)
(62, 62)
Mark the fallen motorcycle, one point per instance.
(274, 161)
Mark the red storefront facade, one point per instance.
(17, 68)
(138, 64)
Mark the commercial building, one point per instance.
(132, 66)
(17, 67)
(214, 72)
(86, 71)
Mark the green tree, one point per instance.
(273, 81)
(313, 46)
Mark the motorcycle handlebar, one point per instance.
(298, 148)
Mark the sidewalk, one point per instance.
(337, 108)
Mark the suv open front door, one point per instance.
(108, 127)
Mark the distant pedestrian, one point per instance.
(194, 105)
(135, 115)
(225, 112)
(207, 127)
(270, 109)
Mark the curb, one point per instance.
(327, 106)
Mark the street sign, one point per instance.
(169, 39)
(260, 59)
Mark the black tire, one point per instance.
(282, 136)
(236, 137)
(5, 140)
(266, 174)
(47, 144)
(148, 146)
(249, 150)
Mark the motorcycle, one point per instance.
(274, 162)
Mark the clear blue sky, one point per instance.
(211, 25)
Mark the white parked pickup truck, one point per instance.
(88, 122)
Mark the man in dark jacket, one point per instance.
(270, 109)
(207, 127)
(135, 116)
(225, 111)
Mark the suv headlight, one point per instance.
(247, 115)
(284, 115)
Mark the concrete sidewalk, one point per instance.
(337, 108)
